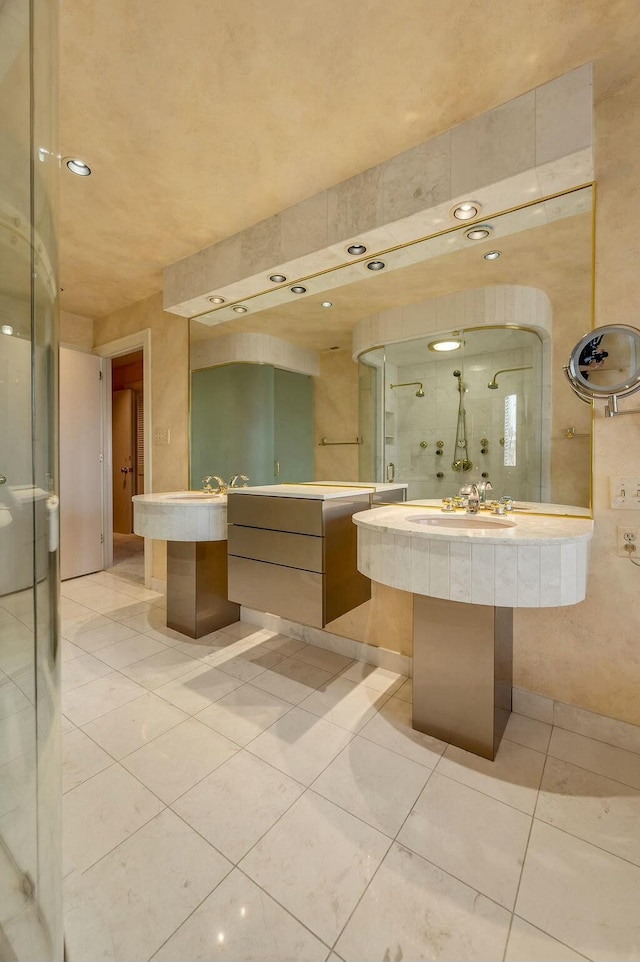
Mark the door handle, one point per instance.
(276, 469)
(391, 471)
(124, 470)
(3, 480)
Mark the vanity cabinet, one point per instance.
(296, 556)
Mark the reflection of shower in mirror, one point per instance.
(419, 392)
(493, 384)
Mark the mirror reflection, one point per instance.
(508, 403)
(607, 361)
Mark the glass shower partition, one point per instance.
(30, 767)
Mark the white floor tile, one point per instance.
(391, 728)
(174, 762)
(513, 777)
(12, 699)
(413, 910)
(617, 763)
(603, 729)
(81, 670)
(316, 861)
(240, 801)
(100, 813)
(528, 732)
(133, 725)
(244, 713)
(96, 632)
(529, 944)
(475, 838)
(127, 652)
(81, 759)
(245, 665)
(374, 677)
(70, 651)
(348, 704)
(292, 680)
(161, 668)
(405, 693)
(596, 809)
(239, 921)
(127, 905)
(98, 697)
(377, 785)
(300, 745)
(284, 645)
(581, 896)
(198, 689)
(322, 658)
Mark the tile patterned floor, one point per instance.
(252, 797)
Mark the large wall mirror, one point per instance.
(525, 413)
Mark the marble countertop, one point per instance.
(317, 491)
(550, 528)
(182, 497)
(180, 516)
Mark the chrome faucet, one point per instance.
(483, 487)
(206, 482)
(238, 477)
(474, 500)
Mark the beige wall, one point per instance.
(336, 417)
(589, 654)
(76, 331)
(169, 392)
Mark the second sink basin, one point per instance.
(192, 496)
(468, 521)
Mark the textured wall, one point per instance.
(336, 417)
(76, 330)
(169, 392)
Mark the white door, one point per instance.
(80, 463)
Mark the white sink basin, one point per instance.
(469, 521)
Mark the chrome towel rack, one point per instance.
(323, 441)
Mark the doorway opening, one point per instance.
(127, 446)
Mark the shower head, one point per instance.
(419, 392)
(493, 384)
(457, 373)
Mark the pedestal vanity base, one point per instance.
(197, 587)
(462, 672)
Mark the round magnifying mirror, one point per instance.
(606, 362)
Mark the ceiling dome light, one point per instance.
(6, 329)
(492, 255)
(376, 265)
(298, 289)
(277, 278)
(78, 167)
(326, 303)
(446, 344)
(240, 309)
(356, 249)
(466, 211)
(216, 300)
(481, 232)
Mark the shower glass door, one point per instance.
(30, 769)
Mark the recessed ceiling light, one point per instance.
(298, 289)
(492, 255)
(277, 278)
(240, 309)
(356, 249)
(446, 344)
(466, 211)
(326, 303)
(376, 265)
(479, 233)
(78, 167)
(216, 300)
(6, 329)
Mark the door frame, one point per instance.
(140, 341)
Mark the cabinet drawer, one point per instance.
(288, 592)
(277, 547)
(299, 515)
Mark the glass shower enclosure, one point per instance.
(30, 768)
(440, 419)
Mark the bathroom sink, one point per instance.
(468, 521)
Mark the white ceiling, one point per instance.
(202, 117)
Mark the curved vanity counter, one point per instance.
(180, 516)
(516, 560)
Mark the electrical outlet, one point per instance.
(162, 436)
(625, 493)
(628, 541)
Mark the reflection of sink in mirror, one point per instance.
(469, 521)
(193, 496)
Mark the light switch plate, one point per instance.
(162, 436)
(625, 493)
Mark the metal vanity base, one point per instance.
(462, 672)
(197, 587)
